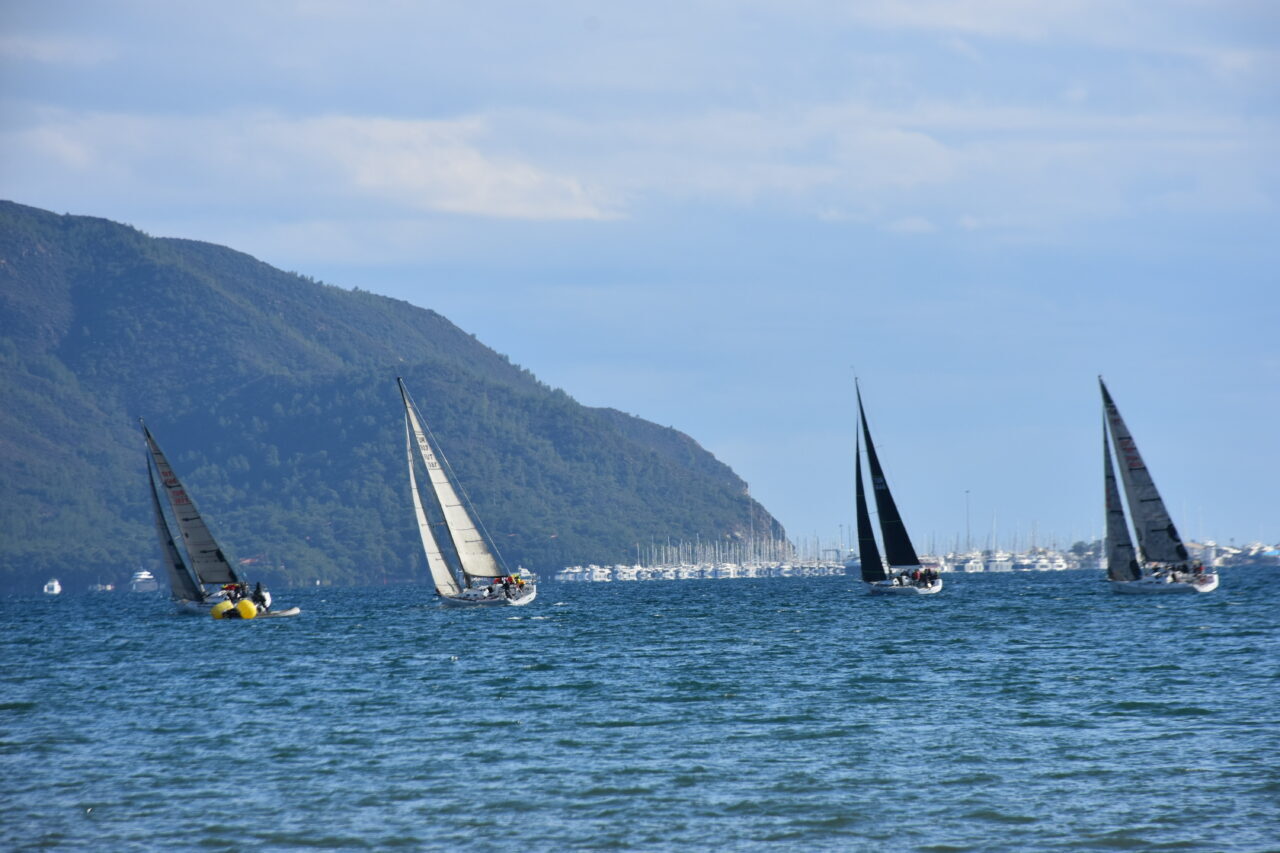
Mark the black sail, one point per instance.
(182, 583)
(1122, 564)
(898, 550)
(869, 554)
(1158, 539)
(204, 556)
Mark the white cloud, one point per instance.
(1008, 168)
(268, 160)
(903, 170)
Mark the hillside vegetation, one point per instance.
(275, 398)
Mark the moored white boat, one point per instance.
(143, 581)
(52, 587)
(1165, 567)
(481, 580)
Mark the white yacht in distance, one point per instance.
(143, 581)
(52, 587)
(999, 561)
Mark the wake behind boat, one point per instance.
(480, 580)
(204, 581)
(909, 577)
(1165, 566)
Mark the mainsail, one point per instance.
(1122, 565)
(182, 584)
(207, 560)
(1158, 539)
(446, 583)
(472, 550)
(898, 550)
(868, 553)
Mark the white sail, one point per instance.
(1122, 564)
(473, 552)
(446, 583)
(1157, 537)
(207, 560)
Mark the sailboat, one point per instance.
(908, 577)
(1165, 566)
(480, 580)
(205, 581)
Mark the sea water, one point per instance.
(1010, 712)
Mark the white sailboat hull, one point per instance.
(275, 614)
(199, 608)
(475, 597)
(888, 588)
(1161, 586)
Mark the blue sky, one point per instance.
(710, 214)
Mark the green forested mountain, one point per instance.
(275, 399)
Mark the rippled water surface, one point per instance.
(1010, 712)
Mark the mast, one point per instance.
(183, 585)
(473, 552)
(1122, 565)
(868, 553)
(898, 550)
(207, 560)
(1158, 539)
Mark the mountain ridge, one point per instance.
(274, 395)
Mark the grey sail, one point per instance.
(898, 550)
(207, 560)
(1122, 563)
(472, 549)
(182, 584)
(446, 583)
(868, 553)
(1158, 539)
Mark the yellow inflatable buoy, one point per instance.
(246, 608)
(220, 609)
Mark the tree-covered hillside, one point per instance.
(275, 398)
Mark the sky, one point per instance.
(715, 214)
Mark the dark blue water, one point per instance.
(1011, 712)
